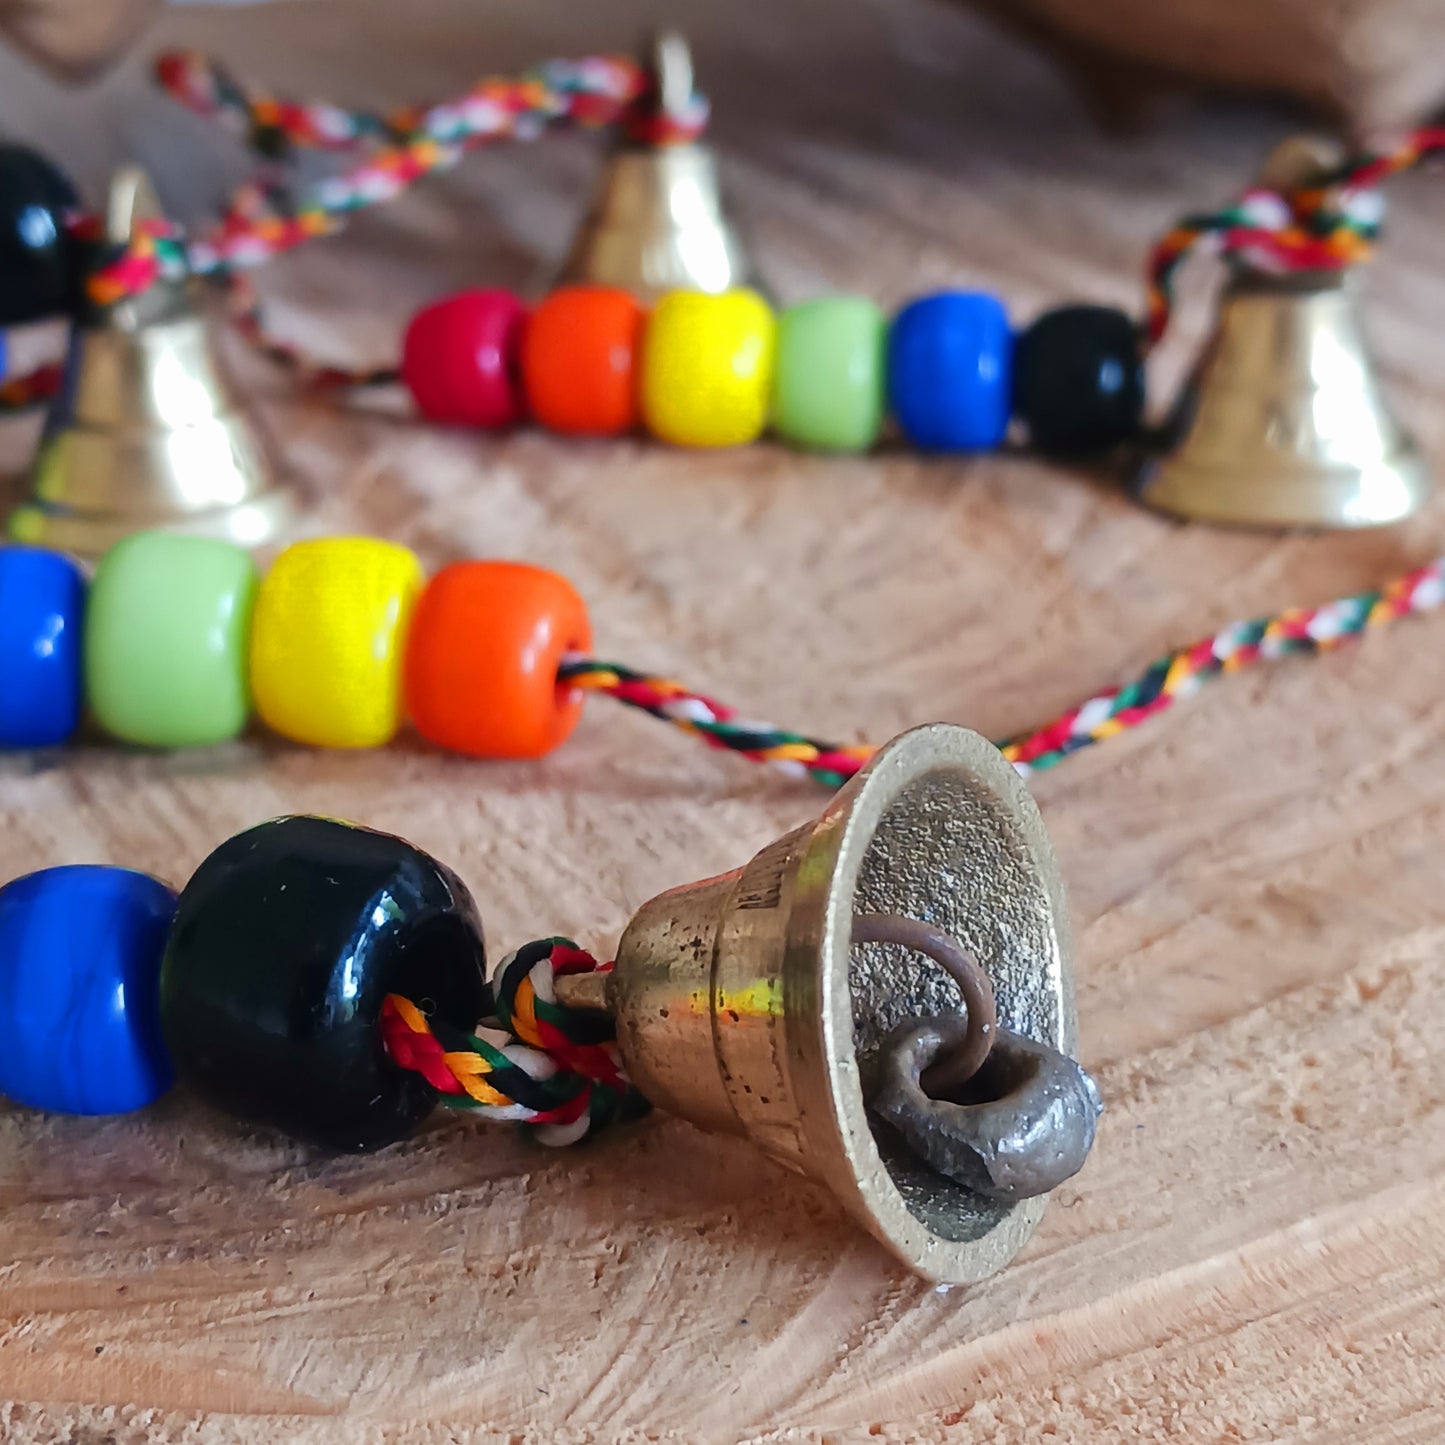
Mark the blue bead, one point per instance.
(4, 357)
(80, 961)
(42, 598)
(950, 371)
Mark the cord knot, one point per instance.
(531, 1060)
(1329, 222)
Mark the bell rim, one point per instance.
(1287, 499)
(844, 833)
(259, 521)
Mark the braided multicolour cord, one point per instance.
(537, 1062)
(1328, 225)
(263, 220)
(532, 1061)
(17, 393)
(606, 89)
(1172, 678)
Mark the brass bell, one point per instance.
(755, 1004)
(657, 222)
(147, 431)
(1284, 422)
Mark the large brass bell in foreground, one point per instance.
(147, 431)
(753, 1004)
(1285, 422)
(657, 222)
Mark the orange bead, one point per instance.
(481, 662)
(579, 361)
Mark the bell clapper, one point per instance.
(1030, 1129)
(1010, 1131)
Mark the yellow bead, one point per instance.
(328, 637)
(707, 368)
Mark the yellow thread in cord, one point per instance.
(465, 1064)
(786, 753)
(415, 1019)
(524, 1014)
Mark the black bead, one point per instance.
(1079, 380)
(37, 258)
(284, 945)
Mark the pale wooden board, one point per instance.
(1254, 1251)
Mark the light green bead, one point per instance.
(830, 374)
(167, 626)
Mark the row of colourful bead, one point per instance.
(703, 370)
(176, 639)
(262, 985)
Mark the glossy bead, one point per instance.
(80, 956)
(707, 367)
(327, 640)
(1079, 380)
(481, 666)
(830, 376)
(37, 257)
(579, 361)
(285, 944)
(460, 359)
(949, 371)
(166, 634)
(42, 604)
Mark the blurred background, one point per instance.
(874, 146)
(982, 141)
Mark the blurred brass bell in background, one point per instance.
(745, 1004)
(657, 222)
(147, 431)
(1284, 422)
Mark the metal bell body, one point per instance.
(1285, 423)
(147, 431)
(657, 222)
(742, 1004)
(658, 225)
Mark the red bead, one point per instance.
(460, 359)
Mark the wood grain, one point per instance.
(1252, 1254)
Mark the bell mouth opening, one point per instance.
(943, 831)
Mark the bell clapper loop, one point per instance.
(956, 1066)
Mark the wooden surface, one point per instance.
(1253, 1253)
